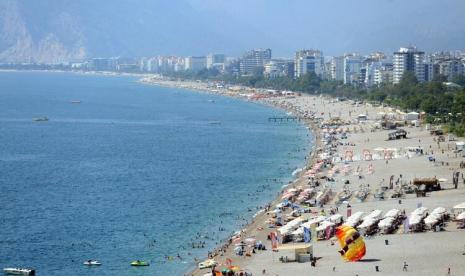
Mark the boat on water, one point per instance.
(139, 263)
(19, 271)
(40, 119)
(92, 263)
(76, 102)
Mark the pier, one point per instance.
(285, 119)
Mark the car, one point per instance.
(207, 264)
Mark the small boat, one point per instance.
(139, 263)
(92, 262)
(40, 119)
(19, 271)
(76, 102)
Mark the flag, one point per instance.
(307, 235)
(313, 228)
(274, 241)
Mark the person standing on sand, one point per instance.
(405, 266)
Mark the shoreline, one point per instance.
(402, 160)
(348, 166)
(311, 156)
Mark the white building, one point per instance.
(352, 67)
(451, 68)
(409, 59)
(382, 75)
(254, 59)
(279, 68)
(337, 68)
(309, 61)
(216, 61)
(195, 63)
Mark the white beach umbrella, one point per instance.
(460, 216)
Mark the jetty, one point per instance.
(285, 119)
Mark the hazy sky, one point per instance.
(197, 27)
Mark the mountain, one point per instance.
(61, 30)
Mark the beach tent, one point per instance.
(459, 208)
(439, 212)
(367, 225)
(393, 213)
(375, 214)
(354, 219)
(336, 218)
(460, 216)
(321, 230)
(316, 220)
(421, 211)
(386, 225)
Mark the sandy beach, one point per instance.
(365, 157)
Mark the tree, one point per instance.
(408, 79)
(459, 79)
(439, 78)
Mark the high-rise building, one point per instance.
(409, 59)
(279, 68)
(254, 59)
(152, 65)
(451, 68)
(216, 61)
(99, 64)
(352, 67)
(337, 68)
(195, 63)
(309, 61)
(383, 74)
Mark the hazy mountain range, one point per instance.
(59, 30)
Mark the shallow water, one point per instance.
(133, 172)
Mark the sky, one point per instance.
(198, 27)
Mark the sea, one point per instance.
(125, 171)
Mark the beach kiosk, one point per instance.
(362, 118)
(302, 252)
(460, 147)
(412, 116)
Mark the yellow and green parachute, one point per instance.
(352, 244)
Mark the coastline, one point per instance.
(311, 157)
(439, 160)
(364, 136)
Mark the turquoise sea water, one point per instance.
(132, 172)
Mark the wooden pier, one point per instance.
(284, 119)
